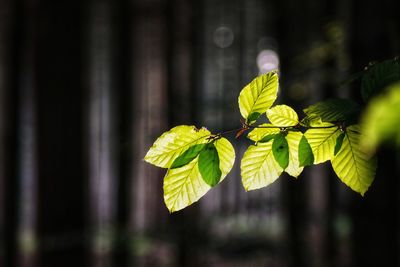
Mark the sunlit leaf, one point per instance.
(282, 115)
(190, 154)
(352, 165)
(185, 185)
(209, 165)
(306, 156)
(339, 142)
(322, 142)
(381, 120)
(293, 140)
(258, 134)
(280, 150)
(334, 110)
(259, 167)
(258, 96)
(173, 143)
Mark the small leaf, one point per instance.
(293, 138)
(280, 149)
(306, 156)
(253, 117)
(282, 115)
(259, 133)
(322, 142)
(339, 142)
(353, 166)
(258, 167)
(209, 165)
(171, 144)
(258, 96)
(334, 110)
(190, 154)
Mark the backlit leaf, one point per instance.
(282, 115)
(258, 96)
(173, 143)
(280, 149)
(209, 165)
(259, 167)
(381, 120)
(333, 110)
(185, 185)
(258, 134)
(352, 165)
(293, 140)
(322, 142)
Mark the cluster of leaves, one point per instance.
(197, 160)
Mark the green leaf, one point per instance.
(339, 142)
(280, 150)
(322, 142)
(190, 154)
(258, 134)
(173, 143)
(185, 185)
(209, 165)
(282, 115)
(293, 139)
(259, 167)
(352, 165)
(381, 120)
(253, 117)
(267, 138)
(379, 76)
(306, 156)
(333, 110)
(258, 96)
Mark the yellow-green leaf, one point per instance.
(258, 96)
(259, 133)
(282, 115)
(322, 142)
(293, 139)
(352, 165)
(259, 167)
(173, 143)
(184, 186)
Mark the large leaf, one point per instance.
(322, 142)
(209, 165)
(280, 149)
(293, 139)
(184, 186)
(173, 143)
(259, 167)
(259, 133)
(258, 96)
(379, 76)
(282, 115)
(333, 110)
(190, 154)
(381, 120)
(352, 165)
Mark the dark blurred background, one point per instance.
(86, 87)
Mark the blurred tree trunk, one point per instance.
(62, 183)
